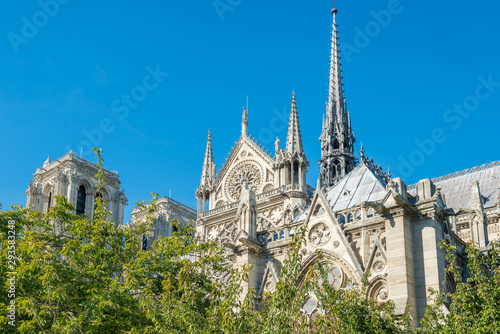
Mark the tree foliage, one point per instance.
(475, 303)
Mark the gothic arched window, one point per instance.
(336, 145)
(80, 200)
(49, 203)
(295, 172)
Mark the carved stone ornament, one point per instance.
(319, 234)
(383, 294)
(245, 172)
(276, 214)
(213, 233)
(378, 266)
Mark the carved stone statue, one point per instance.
(245, 115)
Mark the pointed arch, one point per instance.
(336, 144)
(326, 257)
(81, 199)
(378, 289)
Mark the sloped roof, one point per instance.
(360, 185)
(456, 186)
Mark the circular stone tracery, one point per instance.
(245, 172)
(334, 277)
(319, 234)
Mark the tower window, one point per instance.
(49, 203)
(80, 200)
(296, 173)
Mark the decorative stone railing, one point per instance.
(282, 233)
(269, 193)
(357, 215)
(258, 197)
(219, 209)
(294, 187)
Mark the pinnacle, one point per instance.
(294, 137)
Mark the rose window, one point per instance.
(244, 173)
(333, 276)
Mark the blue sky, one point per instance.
(408, 67)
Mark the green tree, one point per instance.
(475, 303)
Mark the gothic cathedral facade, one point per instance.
(361, 218)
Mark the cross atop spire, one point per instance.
(294, 137)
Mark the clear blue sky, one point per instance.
(401, 79)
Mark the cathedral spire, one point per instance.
(336, 101)
(208, 172)
(294, 137)
(337, 138)
(207, 175)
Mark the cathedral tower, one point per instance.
(75, 178)
(337, 138)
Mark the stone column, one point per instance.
(300, 176)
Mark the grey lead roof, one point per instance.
(363, 185)
(456, 186)
(358, 186)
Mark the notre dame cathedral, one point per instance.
(358, 215)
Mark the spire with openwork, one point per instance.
(337, 138)
(208, 175)
(294, 137)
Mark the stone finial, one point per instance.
(47, 162)
(362, 152)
